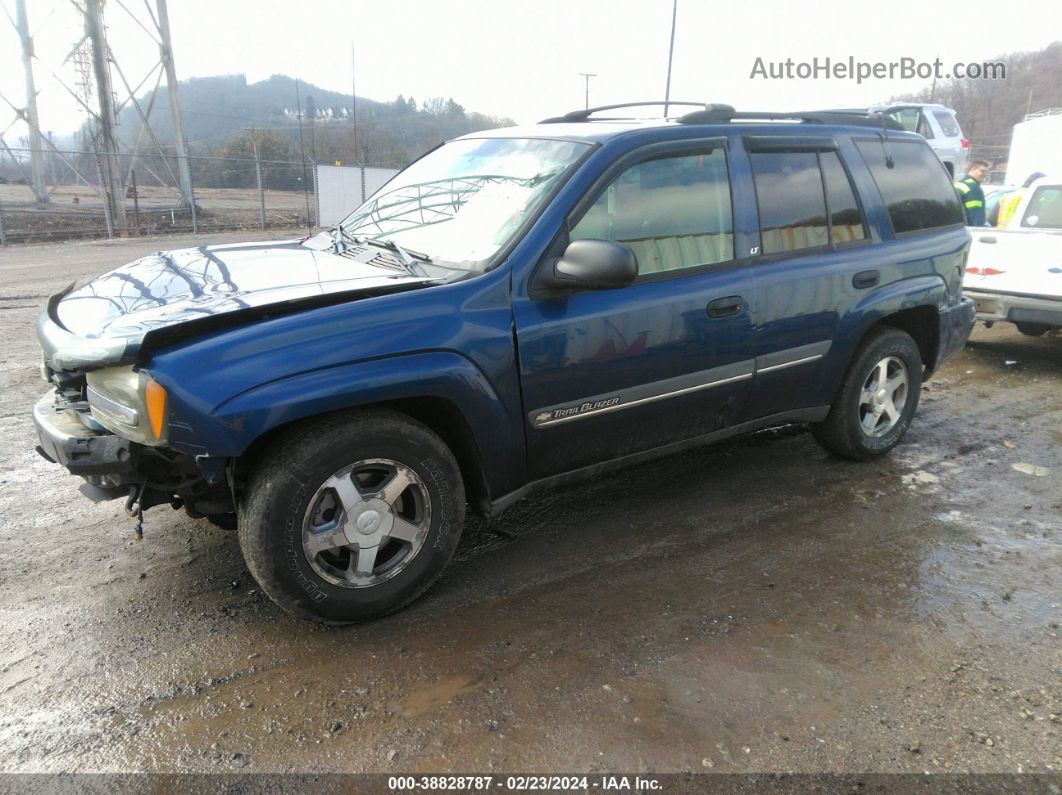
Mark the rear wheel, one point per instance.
(1032, 329)
(351, 517)
(878, 398)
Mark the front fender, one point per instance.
(234, 424)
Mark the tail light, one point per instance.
(984, 271)
(965, 143)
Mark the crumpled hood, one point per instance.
(171, 287)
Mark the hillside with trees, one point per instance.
(225, 116)
(989, 109)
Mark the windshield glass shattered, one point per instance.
(464, 201)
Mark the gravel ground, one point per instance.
(754, 606)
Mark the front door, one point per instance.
(608, 373)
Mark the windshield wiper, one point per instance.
(340, 238)
(407, 257)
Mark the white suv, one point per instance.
(936, 123)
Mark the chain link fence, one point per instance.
(229, 194)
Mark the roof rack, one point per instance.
(710, 113)
(584, 114)
(851, 118)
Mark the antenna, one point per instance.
(670, 54)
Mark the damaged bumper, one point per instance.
(104, 460)
(114, 467)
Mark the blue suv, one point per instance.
(517, 309)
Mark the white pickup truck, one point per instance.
(1014, 274)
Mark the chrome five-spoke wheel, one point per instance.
(366, 523)
(883, 397)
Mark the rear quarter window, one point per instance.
(948, 125)
(917, 191)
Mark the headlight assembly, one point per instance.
(128, 403)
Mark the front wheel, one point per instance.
(878, 398)
(351, 517)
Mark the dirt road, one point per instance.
(754, 606)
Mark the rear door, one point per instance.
(608, 373)
(812, 268)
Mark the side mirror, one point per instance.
(592, 265)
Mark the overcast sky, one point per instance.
(522, 58)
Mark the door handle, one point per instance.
(865, 279)
(723, 307)
(987, 239)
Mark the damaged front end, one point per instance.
(105, 420)
(113, 467)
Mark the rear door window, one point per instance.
(846, 219)
(908, 118)
(925, 129)
(805, 200)
(791, 199)
(915, 187)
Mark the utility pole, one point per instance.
(354, 99)
(40, 190)
(258, 176)
(670, 53)
(933, 85)
(302, 157)
(108, 122)
(587, 75)
(184, 172)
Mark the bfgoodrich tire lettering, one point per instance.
(292, 470)
(885, 358)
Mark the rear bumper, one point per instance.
(1017, 308)
(103, 459)
(956, 323)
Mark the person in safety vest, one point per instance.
(971, 195)
(1009, 203)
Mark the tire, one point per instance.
(303, 503)
(845, 430)
(226, 521)
(1032, 329)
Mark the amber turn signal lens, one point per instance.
(155, 398)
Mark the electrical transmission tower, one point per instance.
(30, 111)
(96, 65)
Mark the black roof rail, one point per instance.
(851, 118)
(584, 114)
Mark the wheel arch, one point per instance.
(441, 390)
(440, 415)
(911, 305)
(922, 323)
